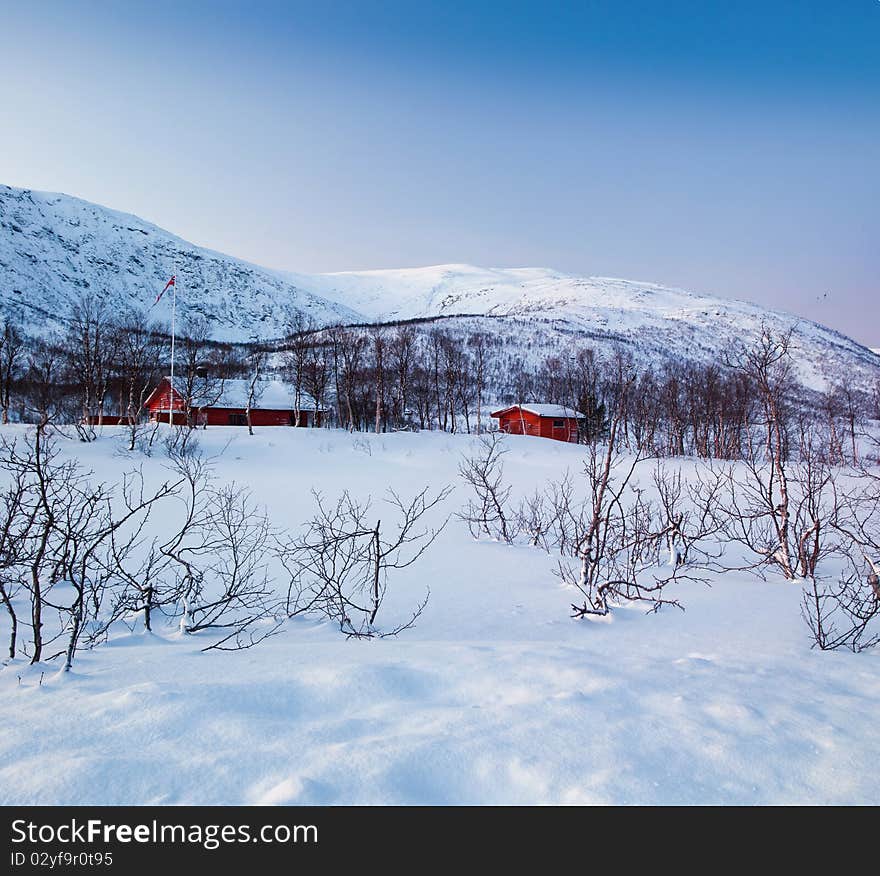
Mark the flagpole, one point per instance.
(173, 317)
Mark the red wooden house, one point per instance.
(215, 402)
(545, 421)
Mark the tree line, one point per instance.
(416, 376)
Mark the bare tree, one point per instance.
(480, 347)
(615, 538)
(49, 490)
(227, 588)
(61, 528)
(767, 365)
(256, 360)
(197, 384)
(351, 352)
(534, 518)
(379, 343)
(138, 359)
(46, 397)
(403, 354)
(88, 350)
(116, 556)
(792, 535)
(688, 518)
(12, 346)
(299, 342)
(15, 520)
(96, 542)
(617, 535)
(316, 377)
(844, 611)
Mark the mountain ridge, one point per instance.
(54, 247)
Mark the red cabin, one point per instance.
(216, 402)
(544, 421)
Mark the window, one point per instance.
(559, 424)
(237, 420)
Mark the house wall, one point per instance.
(543, 427)
(106, 420)
(514, 424)
(567, 432)
(259, 417)
(224, 416)
(178, 417)
(232, 417)
(161, 399)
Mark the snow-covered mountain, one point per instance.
(542, 304)
(53, 247)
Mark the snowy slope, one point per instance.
(495, 697)
(653, 321)
(54, 247)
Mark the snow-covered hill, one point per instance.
(53, 247)
(651, 321)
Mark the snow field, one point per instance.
(495, 697)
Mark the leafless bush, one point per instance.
(617, 538)
(565, 515)
(80, 553)
(362, 445)
(161, 582)
(488, 513)
(614, 534)
(225, 577)
(208, 567)
(781, 512)
(180, 442)
(534, 517)
(339, 568)
(61, 528)
(686, 513)
(844, 614)
(15, 518)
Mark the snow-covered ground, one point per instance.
(495, 697)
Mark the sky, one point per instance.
(728, 148)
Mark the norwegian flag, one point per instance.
(169, 283)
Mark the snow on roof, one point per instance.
(271, 395)
(556, 411)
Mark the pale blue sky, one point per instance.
(728, 148)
